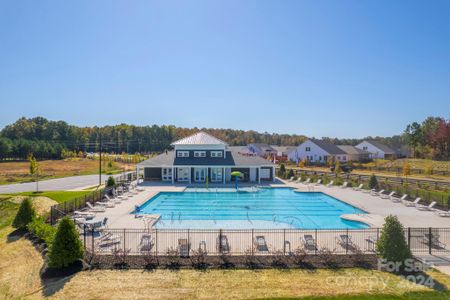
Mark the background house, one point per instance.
(377, 149)
(317, 151)
(355, 154)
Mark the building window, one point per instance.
(308, 149)
(200, 154)
(183, 154)
(216, 174)
(338, 158)
(183, 174)
(216, 153)
(344, 158)
(320, 158)
(365, 148)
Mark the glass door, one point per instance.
(199, 174)
(166, 174)
(216, 174)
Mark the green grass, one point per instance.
(8, 211)
(58, 196)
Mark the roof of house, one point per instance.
(200, 138)
(381, 146)
(352, 149)
(232, 158)
(284, 149)
(328, 147)
(263, 147)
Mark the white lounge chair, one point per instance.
(396, 199)
(112, 200)
(299, 180)
(95, 208)
(291, 179)
(107, 204)
(330, 184)
(307, 181)
(442, 213)
(374, 192)
(387, 196)
(411, 204)
(425, 207)
(319, 182)
(344, 185)
(359, 187)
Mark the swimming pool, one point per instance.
(269, 208)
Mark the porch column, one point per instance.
(273, 174)
(173, 175)
(259, 175)
(223, 175)
(190, 175)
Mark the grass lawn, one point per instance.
(15, 172)
(20, 264)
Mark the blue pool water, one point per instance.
(265, 209)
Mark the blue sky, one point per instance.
(320, 68)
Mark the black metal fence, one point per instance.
(164, 242)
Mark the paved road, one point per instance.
(60, 184)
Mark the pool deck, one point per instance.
(377, 209)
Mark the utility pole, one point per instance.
(100, 164)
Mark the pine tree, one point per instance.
(66, 247)
(392, 244)
(373, 182)
(24, 215)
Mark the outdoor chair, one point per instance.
(291, 179)
(309, 243)
(344, 185)
(330, 184)
(374, 192)
(83, 214)
(146, 243)
(183, 247)
(426, 207)
(112, 200)
(106, 204)
(260, 244)
(319, 182)
(358, 188)
(307, 181)
(107, 239)
(299, 180)
(387, 196)
(396, 199)
(95, 208)
(442, 213)
(410, 203)
(202, 247)
(434, 240)
(345, 241)
(222, 244)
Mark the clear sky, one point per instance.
(320, 68)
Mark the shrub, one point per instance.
(392, 243)
(24, 215)
(282, 171)
(373, 182)
(111, 182)
(66, 247)
(42, 230)
(290, 174)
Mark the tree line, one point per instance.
(47, 139)
(429, 139)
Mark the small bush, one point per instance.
(111, 181)
(198, 258)
(299, 255)
(392, 244)
(373, 182)
(173, 258)
(66, 247)
(42, 230)
(290, 174)
(25, 214)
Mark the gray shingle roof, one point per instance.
(352, 149)
(232, 159)
(381, 146)
(200, 138)
(328, 147)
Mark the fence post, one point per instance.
(315, 238)
(429, 240)
(92, 234)
(84, 237)
(220, 240)
(124, 240)
(251, 243)
(189, 242)
(347, 242)
(284, 241)
(409, 238)
(156, 241)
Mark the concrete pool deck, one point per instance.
(377, 209)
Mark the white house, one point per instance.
(317, 151)
(377, 149)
